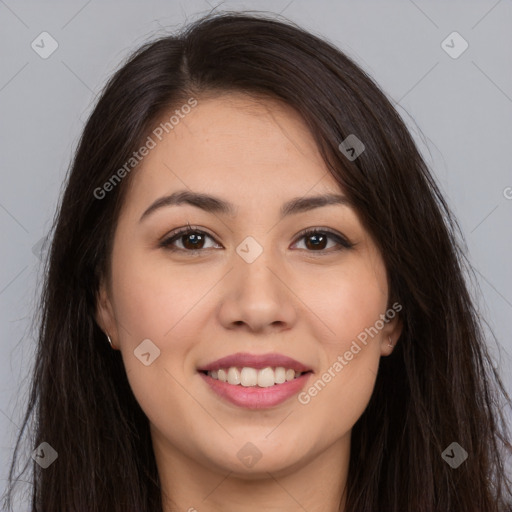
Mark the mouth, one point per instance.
(252, 377)
(255, 381)
(255, 396)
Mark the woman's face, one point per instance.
(253, 286)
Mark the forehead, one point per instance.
(234, 145)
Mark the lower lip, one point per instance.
(256, 397)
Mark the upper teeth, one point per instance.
(247, 376)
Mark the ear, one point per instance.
(105, 317)
(392, 330)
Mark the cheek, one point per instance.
(153, 298)
(336, 399)
(348, 301)
(158, 303)
(162, 304)
(337, 395)
(351, 306)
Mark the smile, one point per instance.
(252, 377)
(255, 396)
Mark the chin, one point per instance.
(253, 460)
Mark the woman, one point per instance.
(255, 299)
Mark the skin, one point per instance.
(256, 154)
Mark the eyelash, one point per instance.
(167, 242)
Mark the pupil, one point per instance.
(320, 241)
(193, 236)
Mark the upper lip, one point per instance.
(257, 361)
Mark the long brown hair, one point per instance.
(439, 386)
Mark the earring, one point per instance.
(109, 340)
(390, 343)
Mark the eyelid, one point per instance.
(184, 230)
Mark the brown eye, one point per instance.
(317, 240)
(193, 241)
(186, 240)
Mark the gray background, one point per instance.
(459, 110)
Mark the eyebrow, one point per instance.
(212, 204)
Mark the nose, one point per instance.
(257, 297)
